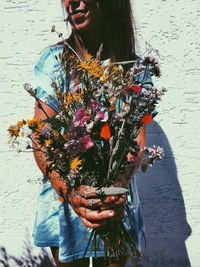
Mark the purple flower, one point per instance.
(81, 117)
(46, 132)
(101, 115)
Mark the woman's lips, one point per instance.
(78, 14)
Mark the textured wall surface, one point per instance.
(169, 191)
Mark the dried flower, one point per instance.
(53, 28)
(13, 130)
(29, 89)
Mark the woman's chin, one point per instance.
(82, 27)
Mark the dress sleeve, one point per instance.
(47, 70)
(144, 78)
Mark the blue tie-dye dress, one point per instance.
(56, 223)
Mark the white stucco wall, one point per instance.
(169, 191)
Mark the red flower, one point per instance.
(136, 88)
(147, 118)
(105, 131)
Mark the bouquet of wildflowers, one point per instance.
(91, 140)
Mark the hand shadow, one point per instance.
(163, 209)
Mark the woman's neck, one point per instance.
(91, 42)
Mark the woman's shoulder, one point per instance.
(50, 57)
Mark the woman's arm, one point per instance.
(39, 156)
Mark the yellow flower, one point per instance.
(48, 142)
(75, 164)
(20, 124)
(32, 122)
(92, 66)
(76, 97)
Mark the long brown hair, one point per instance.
(118, 23)
(118, 27)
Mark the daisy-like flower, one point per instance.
(75, 164)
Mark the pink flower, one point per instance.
(93, 104)
(101, 115)
(85, 143)
(81, 117)
(79, 146)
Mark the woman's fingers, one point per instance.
(117, 200)
(95, 215)
(90, 224)
(91, 220)
(94, 203)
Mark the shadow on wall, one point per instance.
(163, 209)
(27, 259)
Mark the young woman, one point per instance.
(97, 25)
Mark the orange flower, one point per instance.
(147, 118)
(105, 131)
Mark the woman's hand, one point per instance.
(93, 209)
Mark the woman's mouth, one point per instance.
(78, 14)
